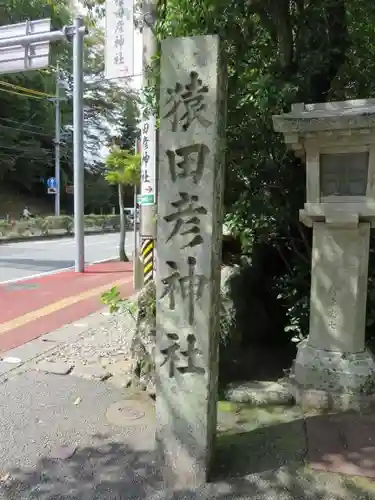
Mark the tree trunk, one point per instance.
(122, 254)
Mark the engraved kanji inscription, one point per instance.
(120, 26)
(190, 287)
(190, 355)
(170, 353)
(333, 311)
(187, 215)
(119, 41)
(119, 58)
(121, 12)
(187, 103)
(191, 164)
(175, 356)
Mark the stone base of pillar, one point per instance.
(319, 400)
(336, 372)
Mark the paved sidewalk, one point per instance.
(82, 436)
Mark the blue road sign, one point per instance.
(51, 183)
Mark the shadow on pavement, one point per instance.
(106, 470)
(110, 470)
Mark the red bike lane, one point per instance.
(31, 308)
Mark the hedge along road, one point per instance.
(29, 259)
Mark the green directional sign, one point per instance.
(146, 199)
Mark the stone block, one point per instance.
(311, 399)
(54, 367)
(189, 228)
(339, 288)
(120, 381)
(91, 372)
(63, 452)
(334, 371)
(260, 393)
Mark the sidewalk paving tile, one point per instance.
(342, 443)
(55, 367)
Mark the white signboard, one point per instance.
(23, 58)
(148, 184)
(119, 38)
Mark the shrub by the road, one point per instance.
(51, 225)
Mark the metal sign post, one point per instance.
(25, 46)
(28, 56)
(57, 142)
(79, 214)
(149, 139)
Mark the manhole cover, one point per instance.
(124, 411)
(22, 286)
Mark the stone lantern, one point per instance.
(337, 142)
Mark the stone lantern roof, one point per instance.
(331, 121)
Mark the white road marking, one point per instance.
(11, 359)
(55, 271)
(60, 241)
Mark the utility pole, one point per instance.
(135, 203)
(57, 142)
(79, 208)
(148, 147)
(25, 41)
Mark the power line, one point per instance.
(22, 149)
(30, 91)
(19, 93)
(23, 124)
(25, 130)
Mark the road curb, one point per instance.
(50, 237)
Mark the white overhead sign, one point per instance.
(26, 57)
(119, 38)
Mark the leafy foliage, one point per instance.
(278, 52)
(27, 120)
(123, 170)
(123, 167)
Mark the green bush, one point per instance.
(56, 223)
(43, 226)
(23, 227)
(68, 224)
(5, 228)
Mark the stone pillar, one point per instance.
(333, 358)
(189, 233)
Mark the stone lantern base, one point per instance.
(334, 372)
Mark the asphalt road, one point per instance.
(33, 258)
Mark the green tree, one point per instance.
(277, 52)
(124, 169)
(100, 196)
(27, 120)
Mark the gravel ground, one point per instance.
(113, 453)
(102, 350)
